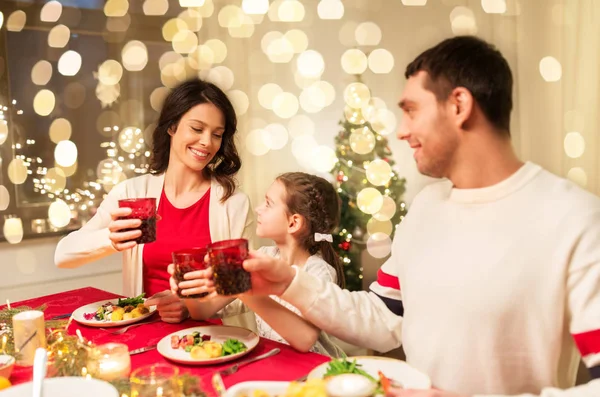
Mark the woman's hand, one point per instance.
(170, 308)
(120, 234)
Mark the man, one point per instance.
(494, 276)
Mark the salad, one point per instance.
(343, 366)
(201, 347)
(124, 309)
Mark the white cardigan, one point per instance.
(231, 219)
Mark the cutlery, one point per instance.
(61, 316)
(142, 350)
(233, 369)
(218, 385)
(125, 329)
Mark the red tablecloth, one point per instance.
(285, 366)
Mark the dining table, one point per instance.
(287, 365)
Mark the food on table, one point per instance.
(350, 385)
(4, 383)
(124, 309)
(201, 347)
(343, 366)
(310, 388)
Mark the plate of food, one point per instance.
(355, 377)
(342, 386)
(113, 312)
(207, 345)
(381, 371)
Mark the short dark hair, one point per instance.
(469, 62)
(180, 100)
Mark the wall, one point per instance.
(28, 271)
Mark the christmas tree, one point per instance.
(370, 190)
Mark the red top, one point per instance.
(178, 228)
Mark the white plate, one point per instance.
(78, 315)
(69, 386)
(246, 388)
(409, 377)
(218, 333)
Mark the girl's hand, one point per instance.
(197, 282)
(120, 237)
(172, 281)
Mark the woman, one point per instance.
(194, 161)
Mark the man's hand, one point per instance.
(170, 308)
(393, 392)
(270, 276)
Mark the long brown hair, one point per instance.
(185, 96)
(318, 203)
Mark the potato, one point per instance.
(260, 393)
(127, 316)
(142, 309)
(117, 314)
(213, 349)
(198, 353)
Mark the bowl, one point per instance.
(67, 386)
(7, 364)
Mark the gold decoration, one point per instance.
(68, 355)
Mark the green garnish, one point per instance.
(343, 366)
(233, 346)
(122, 302)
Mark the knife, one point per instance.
(142, 350)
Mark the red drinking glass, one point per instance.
(226, 258)
(143, 209)
(188, 260)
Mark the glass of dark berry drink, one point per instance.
(226, 258)
(143, 209)
(188, 260)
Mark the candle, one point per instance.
(29, 334)
(110, 361)
(111, 368)
(78, 332)
(8, 304)
(4, 340)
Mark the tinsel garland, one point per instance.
(68, 354)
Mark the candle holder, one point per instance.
(38, 226)
(110, 361)
(157, 380)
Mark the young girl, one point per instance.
(299, 213)
(192, 176)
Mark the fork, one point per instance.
(125, 329)
(233, 369)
